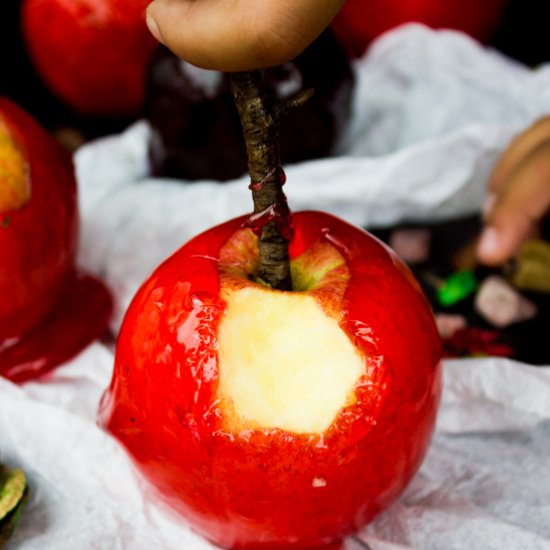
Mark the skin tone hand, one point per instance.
(239, 35)
(518, 195)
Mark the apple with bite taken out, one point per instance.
(48, 311)
(277, 418)
(93, 54)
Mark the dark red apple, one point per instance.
(277, 419)
(196, 131)
(38, 238)
(92, 53)
(359, 22)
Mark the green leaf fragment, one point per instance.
(13, 496)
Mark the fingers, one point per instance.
(520, 147)
(517, 206)
(238, 35)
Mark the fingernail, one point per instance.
(153, 27)
(489, 243)
(489, 203)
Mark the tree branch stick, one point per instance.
(271, 219)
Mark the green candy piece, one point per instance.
(457, 287)
(13, 496)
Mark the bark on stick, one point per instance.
(271, 218)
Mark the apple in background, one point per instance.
(273, 419)
(359, 22)
(93, 54)
(38, 238)
(38, 221)
(196, 131)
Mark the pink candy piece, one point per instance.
(501, 304)
(449, 323)
(411, 245)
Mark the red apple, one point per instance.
(277, 419)
(38, 221)
(361, 21)
(38, 237)
(93, 54)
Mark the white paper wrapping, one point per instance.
(432, 112)
(485, 483)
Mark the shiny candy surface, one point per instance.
(266, 487)
(48, 312)
(37, 240)
(79, 316)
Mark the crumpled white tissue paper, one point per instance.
(432, 112)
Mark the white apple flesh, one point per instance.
(283, 362)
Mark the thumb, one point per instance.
(238, 35)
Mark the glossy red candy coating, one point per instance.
(37, 241)
(269, 488)
(93, 54)
(79, 317)
(48, 312)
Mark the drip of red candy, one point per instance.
(79, 317)
(278, 212)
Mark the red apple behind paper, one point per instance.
(48, 312)
(359, 22)
(93, 54)
(277, 419)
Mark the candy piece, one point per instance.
(448, 324)
(411, 245)
(457, 287)
(501, 305)
(533, 267)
